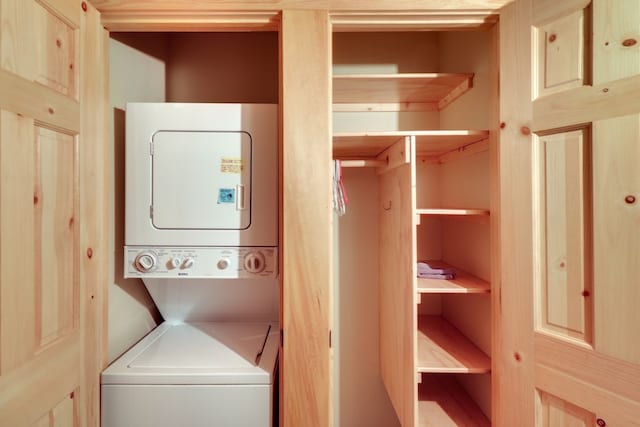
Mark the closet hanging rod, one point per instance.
(363, 163)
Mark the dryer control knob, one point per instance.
(223, 263)
(254, 262)
(188, 263)
(175, 262)
(145, 262)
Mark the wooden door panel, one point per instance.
(565, 214)
(617, 236)
(616, 40)
(17, 264)
(53, 202)
(56, 238)
(558, 412)
(581, 363)
(562, 54)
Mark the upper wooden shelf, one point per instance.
(464, 283)
(398, 92)
(429, 143)
(444, 349)
(443, 402)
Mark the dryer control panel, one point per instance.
(198, 262)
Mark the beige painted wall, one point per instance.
(134, 76)
(223, 67)
(362, 397)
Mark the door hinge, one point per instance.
(281, 337)
(330, 345)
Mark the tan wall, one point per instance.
(223, 67)
(134, 76)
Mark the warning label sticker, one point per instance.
(228, 165)
(226, 195)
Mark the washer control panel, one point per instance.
(196, 262)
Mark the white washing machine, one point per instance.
(201, 232)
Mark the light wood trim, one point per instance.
(429, 143)
(486, 6)
(412, 20)
(464, 283)
(385, 106)
(443, 402)
(464, 151)
(45, 105)
(192, 21)
(580, 361)
(306, 218)
(513, 358)
(423, 88)
(545, 11)
(453, 212)
(94, 160)
(586, 104)
(615, 412)
(53, 369)
(443, 349)
(69, 11)
(398, 298)
(364, 163)
(397, 155)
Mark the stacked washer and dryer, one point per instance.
(201, 231)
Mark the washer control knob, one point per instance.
(175, 262)
(254, 262)
(145, 262)
(223, 264)
(188, 263)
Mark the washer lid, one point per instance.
(199, 353)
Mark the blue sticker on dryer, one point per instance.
(227, 195)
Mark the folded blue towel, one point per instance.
(448, 276)
(425, 268)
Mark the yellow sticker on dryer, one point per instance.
(228, 165)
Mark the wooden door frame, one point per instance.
(305, 281)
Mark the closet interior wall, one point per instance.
(460, 183)
(174, 67)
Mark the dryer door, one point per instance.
(201, 180)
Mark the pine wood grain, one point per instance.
(428, 142)
(444, 403)
(435, 89)
(398, 297)
(306, 219)
(442, 348)
(463, 283)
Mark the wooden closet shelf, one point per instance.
(444, 349)
(398, 92)
(429, 143)
(453, 212)
(464, 283)
(443, 402)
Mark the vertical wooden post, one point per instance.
(306, 218)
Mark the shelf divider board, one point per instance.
(444, 349)
(443, 402)
(463, 283)
(398, 92)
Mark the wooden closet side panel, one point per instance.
(306, 217)
(398, 298)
